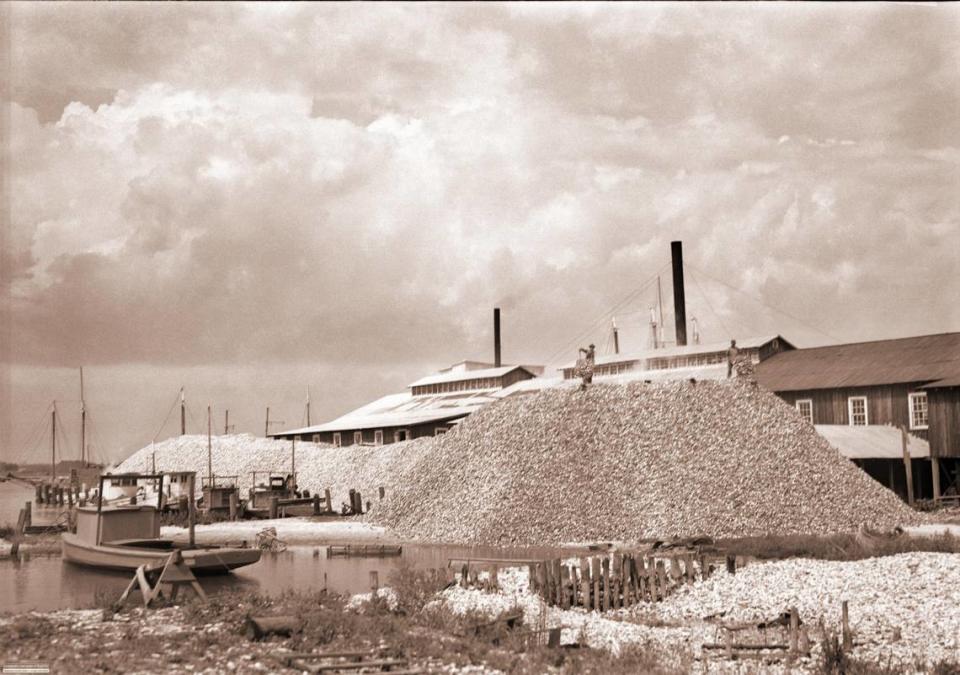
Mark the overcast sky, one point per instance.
(252, 199)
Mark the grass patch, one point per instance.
(836, 547)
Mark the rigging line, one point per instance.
(167, 418)
(710, 305)
(615, 308)
(39, 428)
(775, 309)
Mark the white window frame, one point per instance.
(315, 438)
(337, 439)
(911, 397)
(378, 437)
(800, 410)
(866, 411)
(358, 438)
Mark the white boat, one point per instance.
(123, 537)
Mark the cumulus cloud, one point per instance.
(356, 185)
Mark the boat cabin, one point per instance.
(128, 521)
(217, 492)
(281, 486)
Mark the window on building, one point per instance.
(336, 439)
(401, 435)
(857, 411)
(357, 437)
(918, 410)
(439, 430)
(805, 407)
(378, 437)
(315, 438)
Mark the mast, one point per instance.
(226, 421)
(308, 405)
(83, 424)
(266, 424)
(209, 450)
(616, 337)
(659, 340)
(183, 413)
(53, 443)
(293, 459)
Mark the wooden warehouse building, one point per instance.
(909, 383)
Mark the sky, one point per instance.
(250, 200)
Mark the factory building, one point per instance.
(861, 395)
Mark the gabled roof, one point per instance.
(862, 364)
(685, 350)
(874, 441)
(463, 376)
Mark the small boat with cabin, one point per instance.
(123, 536)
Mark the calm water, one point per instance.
(44, 582)
(13, 494)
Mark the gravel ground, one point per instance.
(917, 593)
(629, 461)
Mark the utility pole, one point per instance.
(53, 443)
(616, 337)
(308, 406)
(226, 422)
(183, 413)
(83, 424)
(209, 449)
(266, 426)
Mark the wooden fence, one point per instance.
(612, 581)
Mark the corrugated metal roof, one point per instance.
(862, 364)
(465, 375)
(401, 410)
(686, 350)
(874, 441)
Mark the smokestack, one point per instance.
(679, 302)
(496, 337)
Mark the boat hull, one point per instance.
(129, 558)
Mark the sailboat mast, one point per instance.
(83, 424)
(53, 443)
(209, 450)
(308, 406)
(183, 413)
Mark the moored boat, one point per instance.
(125, 536)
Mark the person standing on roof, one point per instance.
(586, 365)
(732, 354)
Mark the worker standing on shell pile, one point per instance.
(585, 365)
(732, 354)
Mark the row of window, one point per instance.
(857, 414)
(459, 385)
(398, 436)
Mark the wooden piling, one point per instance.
(328, 500)
(274, 507)
(18, 533)
(234, 505)
(564, 584)
(70, 496)
(28, 507)
(316, 504)
(625, 580)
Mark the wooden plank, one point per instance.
(605, 562)
(595, 572)
(637, 579)
(662, 577)
(585, 583)
(616, 568)
(625, 580)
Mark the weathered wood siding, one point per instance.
(886, 404)
(944, 407)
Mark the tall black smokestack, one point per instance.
(679, 302)
(496, 337)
